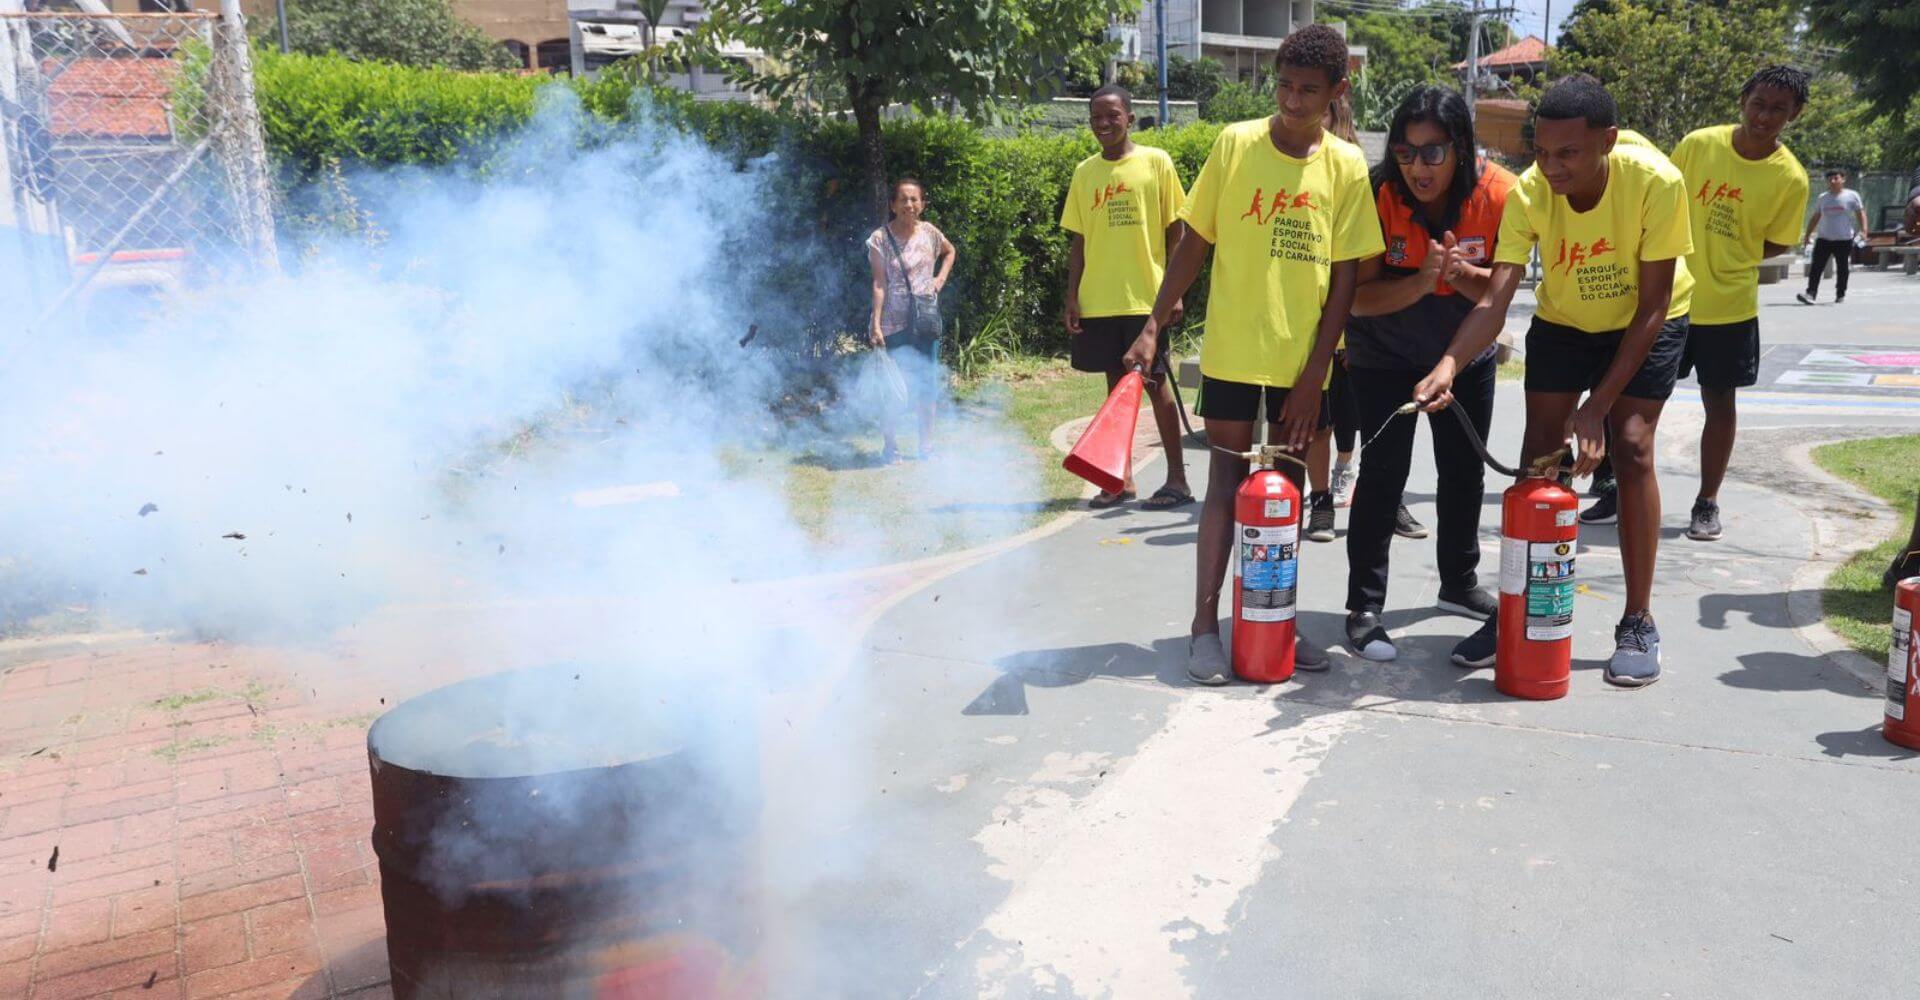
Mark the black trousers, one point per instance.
(1838, 251)
(1384, 464)
(1346, 412)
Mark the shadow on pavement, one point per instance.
(1863, 743)
(1780, 671)
(1164, 661)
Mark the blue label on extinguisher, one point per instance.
(1269, 568)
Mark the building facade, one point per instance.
(1241, 35)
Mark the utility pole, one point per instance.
(1473, 63)
(1160, 53)
(280, 11)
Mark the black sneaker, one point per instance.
(1405, 526)
(1605, 510)
(1472, 603)
(1368, 639)
(1704, 525)
(1805, 299)
(1842, 297)
(1320, 517)
(1478, 649)
(1601, 486)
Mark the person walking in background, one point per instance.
(911, 260)
(1289, 212)
(1123, 217)
(1610, 218)
(1439, 209)
(1837, 218)
(1746, 190)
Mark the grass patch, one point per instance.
(272, 733)
(1513, 371)
(176, 702)
(846, 494)
(1856, 605)
(180, 748)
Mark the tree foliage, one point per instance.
(1674, 66)
(970, 55)
(1879, 46)
(425, 33)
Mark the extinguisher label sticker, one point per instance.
(1269, 572)
(1564, 518)
(1279, 510)
(1550, 590)
(1513, 566)
(1899, 663)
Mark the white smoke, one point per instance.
(364, 422)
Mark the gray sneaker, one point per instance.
(1207, 659)
(1636, 652)
(1705, 525)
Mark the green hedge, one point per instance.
(997, 199)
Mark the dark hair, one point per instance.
(1315, 46)
(893, 192)
(1579, 96)
(1833, 172)
(1114, 90)
(1446, 110)
(1787, 78)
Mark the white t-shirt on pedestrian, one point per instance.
(1837, 212)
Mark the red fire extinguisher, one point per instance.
(1903, 668)
(1266, 577)
(1539, 537)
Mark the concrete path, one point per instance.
(1064, 815)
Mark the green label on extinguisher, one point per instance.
(1550, 590)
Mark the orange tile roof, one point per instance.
(110, 98)
(1526, 51)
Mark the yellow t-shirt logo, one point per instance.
(1110, 192)
(1262, 213)
(1570, 259)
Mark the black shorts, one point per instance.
(1103, 341)
(1563, 359)
(1223, 400)
(1723, 355)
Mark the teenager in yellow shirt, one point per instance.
(1123, 214)
(1610, 219)
(1288, 210)
(1747, 192)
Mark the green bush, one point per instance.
(1238, 102)
(329, 120)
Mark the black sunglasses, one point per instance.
(1433, 154)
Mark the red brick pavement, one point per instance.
(211, 811)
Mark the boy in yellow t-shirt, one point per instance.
(1610, 219)
(1747, 192)
(1289, 212)
(1123, 211)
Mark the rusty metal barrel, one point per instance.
(567, 832)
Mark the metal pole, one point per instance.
(1546, 25)
(280, 10)
(1160, 50)
(1473, 61)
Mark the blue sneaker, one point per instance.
(1636, 652)
(1478, 649)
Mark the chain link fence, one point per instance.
(130, 147)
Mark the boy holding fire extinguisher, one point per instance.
(1610, 217)
(1289, 210)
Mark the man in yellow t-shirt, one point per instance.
(1746, 193)
(1123, 214)
(1288, 210)
(1610, 219)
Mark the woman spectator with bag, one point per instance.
(911, 260)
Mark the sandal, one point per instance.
(1106, 500)
(1167, 498)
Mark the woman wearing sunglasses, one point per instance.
(1439, 206)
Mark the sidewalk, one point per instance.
(1084, 822)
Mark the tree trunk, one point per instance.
(866, 100)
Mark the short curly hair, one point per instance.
(1315, 46)
(1787, 78)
